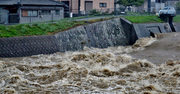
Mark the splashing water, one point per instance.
(93, 70)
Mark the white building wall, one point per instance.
(3, 16)
(159, 6)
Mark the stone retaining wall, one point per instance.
(101, 34)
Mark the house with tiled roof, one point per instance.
(30, 11)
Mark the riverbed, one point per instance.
(150, 66)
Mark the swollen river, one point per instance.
(99, 71)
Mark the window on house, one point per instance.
(57, 12)
(46, 12)
(29, 13)
(160, 1)
(102, 4)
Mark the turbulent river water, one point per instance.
(91, 71)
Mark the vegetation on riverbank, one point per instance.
(144, 19)
(65, 24)
(148, 19)
(177, 18)
(42, 28)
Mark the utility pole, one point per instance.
(71, 6)
(115, 7)
(149, 6)
(79, 5)
(71, 9)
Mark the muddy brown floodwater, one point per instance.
(114, 70)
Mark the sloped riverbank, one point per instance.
(100, 34)
(109, 33)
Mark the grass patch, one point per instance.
(36, 28)
(177, 18)
(144, 19)
(42, 28)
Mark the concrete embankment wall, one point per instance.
(177, 27)
(129, 30)
(134, 31)
(101, 34)
(145, 30)
(114, 32)
(26, 46)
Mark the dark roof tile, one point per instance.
(29, 2)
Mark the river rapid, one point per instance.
(91, 71)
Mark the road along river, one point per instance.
(151, 66)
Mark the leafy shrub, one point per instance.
(41, 28)
(178, 5)
(94, 12)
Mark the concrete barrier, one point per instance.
(129, 30)
(135, 31)
(145, 30)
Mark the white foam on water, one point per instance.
(92, 71)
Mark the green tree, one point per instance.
(127, 3)
(178, 5)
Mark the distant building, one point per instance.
(28, 11)
(85, 6)
(171, 2)
(160, 4)
(155, 5)
(148, 6)
(141, 9)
